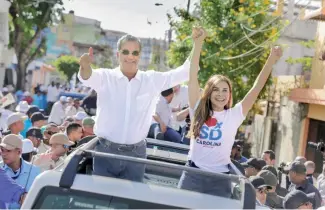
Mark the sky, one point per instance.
(130, 16)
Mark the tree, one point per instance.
(27, 20)
(67, 65)
(226, 22)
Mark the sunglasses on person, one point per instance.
(263, 191)
(51, 132)
(127, 52)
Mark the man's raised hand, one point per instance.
(86, 59)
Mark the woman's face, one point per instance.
(220, 96)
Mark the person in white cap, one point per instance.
(28, 150)
(60, 144)
(58, 111)
(22, 107)
(78, 118)
(15, 123)
(18, 169)
(73, 109)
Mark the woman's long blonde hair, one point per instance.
(204, 109)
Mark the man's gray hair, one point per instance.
(127, 38)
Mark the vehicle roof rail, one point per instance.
(231, 177)
(70, 171)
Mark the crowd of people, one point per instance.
(132, 105)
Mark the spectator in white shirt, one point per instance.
(162, 118)
(179, 102)
(58, 111)
(73, 109)
(126, 99)
(53, 93)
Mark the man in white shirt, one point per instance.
(126, 99)
(74, 108)
(53, 93)
(162, 118)
(58, 111)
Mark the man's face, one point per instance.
(19, 125)
(51, 131)
(88, 130)
(250, 171)
(36, 141)
(129, 55)
(10, 156)
(76, 103)
(59, 150)
(76, 134)
(261, 195)
(292, 176)
(267, 159)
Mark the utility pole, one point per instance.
(188, 6)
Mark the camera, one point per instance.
(318, 146)
(282, 167)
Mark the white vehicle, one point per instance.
(72, 185)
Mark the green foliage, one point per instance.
(305, 61)
(227, 21)
(27, 19)
(68, 65)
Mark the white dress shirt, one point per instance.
(57, 114)
(164, 111)
(52, 93)
(125, 108)
(180, 99)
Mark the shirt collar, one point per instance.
(120, 75)
(302, 185)
(21, 169)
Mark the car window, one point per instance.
(60, 198)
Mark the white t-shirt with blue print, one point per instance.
(211, 150)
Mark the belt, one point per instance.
(121, 147)
(192, 164)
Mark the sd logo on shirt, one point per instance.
(211, 131)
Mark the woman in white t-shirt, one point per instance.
(215, 123)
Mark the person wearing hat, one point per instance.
(15, 123)
(18, 169)
(236, 152)
(88, 131)
(28, 150)
(261, 189)
(298, 200)
(28, 123)
(273, 200)
(38, 120)
(253, 166)
(35, 135)
(57, 114)
(88, 126)
(78, 118)
(60, 144)
(279, 190)
(269, 157)
(73, 109)
(298, 179)
(22, 107)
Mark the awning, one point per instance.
(307, 95)
(318, 14)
